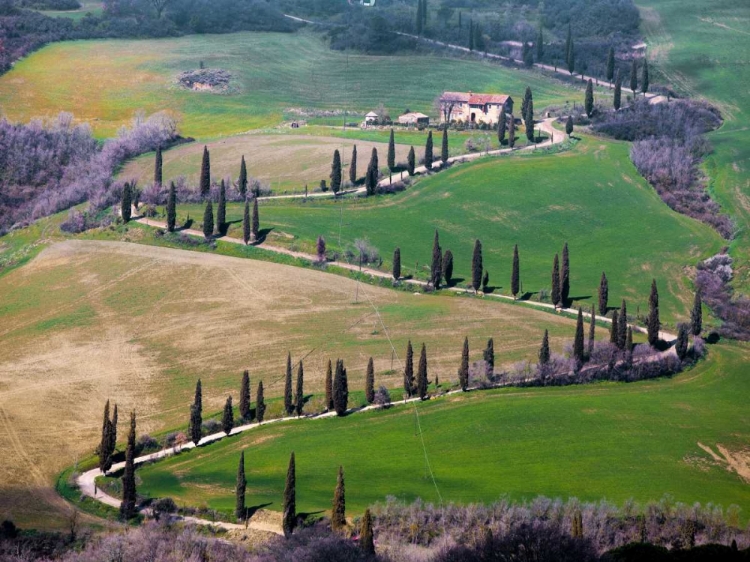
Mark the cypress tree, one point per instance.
(572, 58)
(696, 315)
(422, 374)
(353, 166)
(260, 403)
(113, 433)
(540, 44)
(255, 226)
(444, 147)
(556, 299)
(476, 266)
(501, 126)
(411, 161)
(463, 371)
(246, 223)
(588, 103)
(448, 267)
(126, 204)
(397, 264)
(529, 121)
(370, 382)
(592, 331)
(614, 330)
(629, 340)
(436, 270)
(208, 220)
(681, 347)
(644, 77)
(227, 418)
(428, 152)
(240, 488)
(528, 97)
(460, 23)
(299, 401)
(634, 77)
(288, 404)
(610, 64)
(338, 509)
(366, 539)
(603, 294)
(129, 495)
(617, 102)
(172, 208)
(569, 126)
(158, 163)
(512, 131)
(336, 172)
(578, 342)
(652, 322)
(205, 181)
(221, 212)
(340, 389)
(105, 452)
(329, 387)
(289, 517)
(373, 171)
(244, 406)
(242, 181)
(568, 47)
(391, 152)
(420, 18)
(515, 276)
(196, 414)
(565, 277)
(622, 328)
(544, 353)
(409, 370)
(489, 354)
(479, 38)
(471, 35)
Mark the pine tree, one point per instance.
(448, 267)
(208, 220)
(196, 415)
(610, 64)
(634, 77)
(242, 181)
(391, 152)
(592, 332)
(227, 418)
(397, 264)
(205, 180)
(221, 212)
(288, 404)
(260, 403)
(428, 152)
(244, 406)
(246, 222)
(569, 126)
(578, 341)
(476, 266)
(463, 371)
(171, 208)
(338, 509)
(289, 517)
(411, 161)
(340, 389)
(652, 322)
(422, 374)
(644, 77)
(370, 382)
(588, 103)
(336, 172)
(501, 127)
(444, 147)
(512, 131)
(255, 225)
(622, 328)
(681, 347)
(556, 299)
(565, 277)
(544, 353)
(540, 44)
(603, 294)
(240, 489)
(353, 166)
(696, 315)
(373, 172)
(515, 276)
(299, 401)
(614, 330)
(409, 370)
(489, 354)
(129, 494)
(436, 270)
(617, 101)
(329, 387)
(158, 164)
(126, 204)
(366, 539)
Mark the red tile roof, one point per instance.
(474, 99)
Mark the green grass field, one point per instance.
(106, 82)
(612, 440)
(94, 7)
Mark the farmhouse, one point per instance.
(413, 118)
(469, 107)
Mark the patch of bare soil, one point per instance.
(734, 461)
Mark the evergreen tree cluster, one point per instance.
(108, 440)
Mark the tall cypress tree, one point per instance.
(681, 346)
(610, 65)
(242, 181)
(420, 19)
(529, 121)
(428, 159)
(373, 172)
(260, 403)
(289, 517)
(578, 341)
(572, 58)
(208, 220)
(158, 164)
(255, 227)
(411, 161)
(634, 77)
(592, 331)
(540, 44)
(391, 152)
(696, 315)
(512, 131)
(113, 433)
(471, 35)
(299, 401)
(568, 47)
(489, 354)
(652, 322)
(614, 330)
(569, 126)
(338, 509)
(105, 452)
(336, 172)
(288, 404)
(340, 389)
(501, 126)
(244, 406)
(129, 494)
(448, 267)
(436, 270)
(126, 205)
(227, 418)
(644, 77)
(629, 340)
(196, 415)
(544, 353)
(617, 101)
(444, 147)
(240, 489)
(588, 103)
(515, 276)
(397, 264)
(370, 382)
(476, 266)
(171, 207)
(221, 212)
(205, 180)
(603, 294)
(366, 539)
(463, 371)
(353, 166)
(556, 299)
(329, 387)
(622, 328)
(528, 97)
(422, 374)
(246, 223)
(565, 277)
(409, 370)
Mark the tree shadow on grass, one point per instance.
(253, 509)
(188, 224)
(262, 235)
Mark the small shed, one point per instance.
(371, 117)
(414, 118)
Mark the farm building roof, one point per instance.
(475, 99)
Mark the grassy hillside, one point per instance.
(106, 82)
(613, 441)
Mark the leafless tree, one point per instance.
(159, 6)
